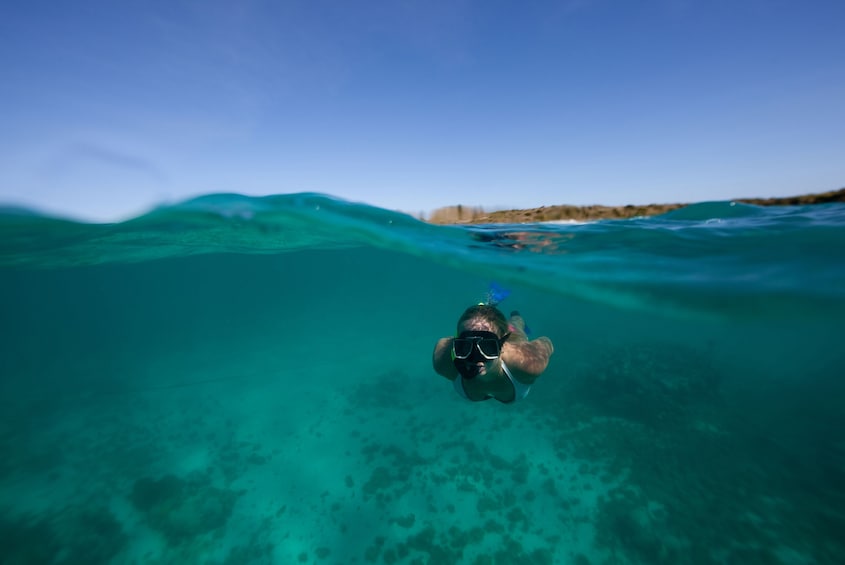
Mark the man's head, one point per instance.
(482, 330)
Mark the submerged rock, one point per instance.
(182, 509)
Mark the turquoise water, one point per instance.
(238, 380)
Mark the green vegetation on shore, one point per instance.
(476, 215)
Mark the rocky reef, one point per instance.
(477, 215)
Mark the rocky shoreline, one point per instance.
(475, 215)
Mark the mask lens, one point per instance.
(462, 348)
(489, 347)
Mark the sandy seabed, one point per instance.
(395, 468)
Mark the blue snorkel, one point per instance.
(495, 294)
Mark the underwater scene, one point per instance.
(236, 380)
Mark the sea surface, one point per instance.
(235, 380)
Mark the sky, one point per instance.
(109, 108)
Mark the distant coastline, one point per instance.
(476, 215)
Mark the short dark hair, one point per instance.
(489, 314)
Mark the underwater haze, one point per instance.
(237, 380)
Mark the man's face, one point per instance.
(482, 366)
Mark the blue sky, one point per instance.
(112, 107)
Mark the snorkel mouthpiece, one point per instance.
(467, 369)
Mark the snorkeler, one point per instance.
(491, 357)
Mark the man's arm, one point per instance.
(442, 358)
(528, 359)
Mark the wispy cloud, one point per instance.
(86, 154)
